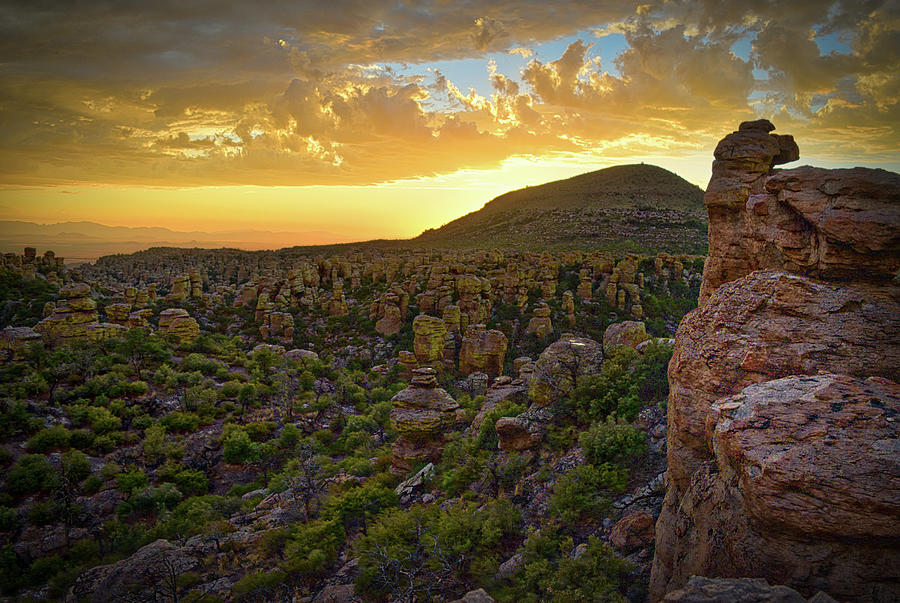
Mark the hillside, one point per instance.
(630, 207)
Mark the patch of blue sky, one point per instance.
(838, 42)
(473, 73)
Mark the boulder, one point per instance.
(629, 334)
(559, 366)
(176, 323)
(145, 575)
(482, 351)
(633, 532)
(475, 596)
(523, 431)
(738, 590)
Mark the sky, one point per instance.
(379, 119)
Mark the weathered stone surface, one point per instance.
(338, 593)
(482, 350)
(15, 340)
(428, 341)
(540, 324)
(143, 576)
(503, 388)
(391, 322)
(523, 431)
(632, 532)
(795, 477)
(623, 334)
(560, 365)
(734, 590)
(176, 322)
(421, 414)
(475, 596)
(298, 355)
(70, 318)
(830, 224)
(765, 326)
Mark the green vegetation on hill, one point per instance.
(623, 208)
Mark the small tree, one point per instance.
(308, 485)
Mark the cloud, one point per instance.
(287, 93)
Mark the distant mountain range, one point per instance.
(83, 241)
(623, 208)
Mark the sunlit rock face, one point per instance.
(178, 324)
(830, 224)
(482, 350)
(774, 469)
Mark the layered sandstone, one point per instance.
(178, 324)
(421, 414)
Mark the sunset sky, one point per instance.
(376, 118)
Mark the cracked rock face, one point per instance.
(782, 441)
(831, 224)
(803, 489)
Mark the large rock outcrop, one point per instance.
(482, 350)
(178, 324)
(776, 470)
(75, 317)
(832, 224)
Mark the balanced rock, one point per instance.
(540, 324)
(482, 351)
(779, 480)
(71, 316)
(421, 414)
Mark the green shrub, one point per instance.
(359, 505)
(31, 474)
(42, 513)
(433, 552)
(584, 491)
(102, 421)
(312, 546)
(612, 441)
(550, 572)
(239, 448)
(181, 422)
(259, 431)
(74, 466)
(82, 439)
(258, 584)
(9, 519)
(56, 437)
(154, 444)
(131, 481)
(192, 482)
